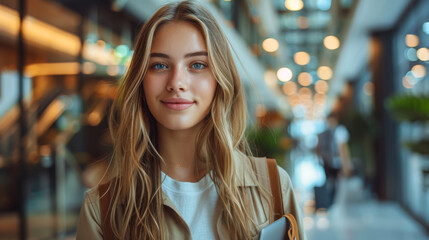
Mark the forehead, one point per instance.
(178, 36)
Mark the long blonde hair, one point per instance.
(136, 166)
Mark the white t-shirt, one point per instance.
(198, 203)
(341, 134)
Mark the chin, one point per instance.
(178, 125)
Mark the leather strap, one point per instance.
(276, 193)
(104, 201)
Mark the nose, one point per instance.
(178, 81)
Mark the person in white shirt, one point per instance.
(181, 168)
(334, 152)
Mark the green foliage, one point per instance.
(271, 142)
(410, 108)
(421, 147)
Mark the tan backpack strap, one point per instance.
(268, 166)
(104, 201)
(276, 192)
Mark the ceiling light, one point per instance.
(305, 79)
(331, 42)
(321, 86)
(411, 40)
(324, 72)
(294, 5)
(270, 45)
(47, 69)
(301, 58)
(423, 54)
(284, 74)
(305, 92)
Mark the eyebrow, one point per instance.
(162, 55)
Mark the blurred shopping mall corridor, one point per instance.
(355, 214)
(336, 90)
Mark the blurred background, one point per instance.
(338, 93)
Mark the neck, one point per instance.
(177, 148)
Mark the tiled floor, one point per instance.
(365, 220)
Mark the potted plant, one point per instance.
(411, 108)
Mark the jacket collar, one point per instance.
(245, 173)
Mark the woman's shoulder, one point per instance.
(260, 168)
(285, 180)
(89, 226)
(91, 201)
(92, 196)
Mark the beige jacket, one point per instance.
(89, 226)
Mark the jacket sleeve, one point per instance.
(289, 201)
(89, 219)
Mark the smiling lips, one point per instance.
(177, 103)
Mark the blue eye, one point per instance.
(198, 66)
(159, 66)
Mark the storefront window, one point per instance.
(71, 63)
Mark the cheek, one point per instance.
(151, 87)
(207, 89)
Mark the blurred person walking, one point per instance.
(334, 152)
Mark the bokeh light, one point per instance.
(324, 72)
(411, 40)
(270, 45)
(331, 42)
(284, 74)
(305, 92)
(290, 88)
(301, 58)
(423, 54)
(408, 81)
(418, 71)
(321, 86)
(425, 28)
(411, 54)
(305, 79)
(319, 98)
(88, 67)
(294, 5)
(270, 78)
(302, 22)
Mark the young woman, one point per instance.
(181, 168)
